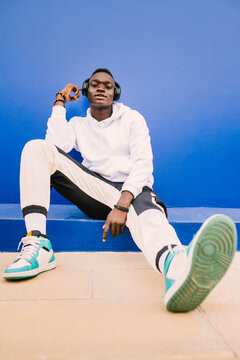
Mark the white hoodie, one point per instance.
(117, 148)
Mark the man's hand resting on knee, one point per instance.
(117, 219)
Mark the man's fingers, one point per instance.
(72, 97)
(122, 228)
(118, 229)
(105, 233)
(77, 96)
(75, 88)
(113, 230)
(76, 91)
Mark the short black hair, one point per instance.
(102, 70)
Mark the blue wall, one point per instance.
(177, 63)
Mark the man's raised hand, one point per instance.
(67, 91)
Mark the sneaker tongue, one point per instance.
(34, 233)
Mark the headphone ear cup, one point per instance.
(117, 91)
(85, 87)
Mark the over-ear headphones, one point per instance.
(117, 89)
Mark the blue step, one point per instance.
(71, 230)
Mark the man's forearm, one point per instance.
(125, 199)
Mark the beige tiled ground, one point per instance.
(109, 306)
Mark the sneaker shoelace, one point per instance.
(29, 248)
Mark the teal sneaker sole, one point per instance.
(20, 275)
(209, 257)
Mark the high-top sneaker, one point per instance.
(35, 257)
(201, 265)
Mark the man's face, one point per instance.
(101, 90)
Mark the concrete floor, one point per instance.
(109, 306)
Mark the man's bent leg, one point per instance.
(41, 164)
(38, 162)
(36, 256)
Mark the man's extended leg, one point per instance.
(192, 272)
(150, 229)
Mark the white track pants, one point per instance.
(44, 165)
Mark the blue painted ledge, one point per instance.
(71, 230)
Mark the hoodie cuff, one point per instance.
(132, 189)
(58, 110)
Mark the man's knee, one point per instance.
(38, 145)
(39, 151)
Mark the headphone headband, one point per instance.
(117, 89)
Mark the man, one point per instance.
(114, 183)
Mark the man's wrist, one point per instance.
(60, 100)
(61, 95)
(122, 208)
(125, 199)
